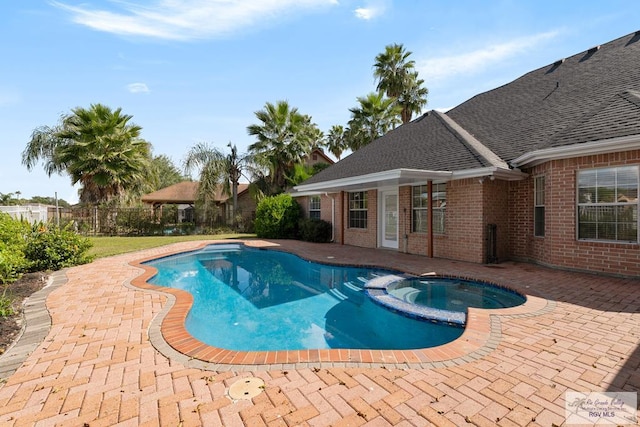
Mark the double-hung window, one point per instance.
(608, 204)
(420, 204)
(314, 207)
(358, 209)
(538, 206)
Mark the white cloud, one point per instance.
(364, 13)
(187, 19)
(472, 62)
(138, 88)
(371, 10)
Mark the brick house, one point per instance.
(544, 169)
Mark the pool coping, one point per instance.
(169, 336)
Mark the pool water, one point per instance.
(452, 294)
(248, 299)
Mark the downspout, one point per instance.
(406, 233)
(430, 219)
(333, 217)
(342, 214)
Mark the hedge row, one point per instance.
(280, 217)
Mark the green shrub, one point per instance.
(6, 304)
(12, 263)
(13, 232)
(314, 230)
(55, 248)
(277, 217)
(13, 238)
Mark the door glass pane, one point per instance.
(391, 217)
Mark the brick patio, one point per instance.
(97, 364)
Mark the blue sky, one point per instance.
(192, 71)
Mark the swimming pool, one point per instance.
(249, 299)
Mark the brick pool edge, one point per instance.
(169, 336)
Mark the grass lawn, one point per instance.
(108, 246)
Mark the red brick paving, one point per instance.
(97, 365)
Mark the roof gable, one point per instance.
(424, 143)
(590, 96)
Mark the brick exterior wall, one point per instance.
(496, 211)
(367, 238)
(326, 211)
(473, 205)
(560, 247)
(464, 225)
(467, 216)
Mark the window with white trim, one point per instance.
(358, 209)
(608, 204)
(314, 207)
(420, 204)
(439, 204)
(538, 206)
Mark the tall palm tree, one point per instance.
(413, 98)
(395, 74)
(98, 148)
(217, 170)
(375, 116)
(336, 141)
(284, 136)
(392, 68)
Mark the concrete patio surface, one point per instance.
(97, 365)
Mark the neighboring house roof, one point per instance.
(591, 96)
(185, 192)
(321, 153)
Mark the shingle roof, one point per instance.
(425, 143)
(589, 96)
(535, 110)
(617, 117)
(184, 193)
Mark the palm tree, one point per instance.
(284, 137)
(396, 77)
(217, 170)
(413, 98)
(391, 70)
(98, 148)
(375, 116)
(336, 141)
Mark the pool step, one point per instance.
(336, 293)
(352, 287)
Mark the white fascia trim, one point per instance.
(491, 171)
(307, 193)
(533, 158)
(374, 178)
